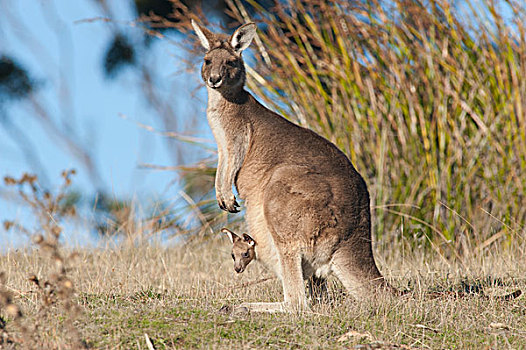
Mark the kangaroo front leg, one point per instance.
(223, 184)
(231, 156)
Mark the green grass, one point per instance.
(416, 323)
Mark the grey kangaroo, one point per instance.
(306, 206)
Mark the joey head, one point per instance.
(243, 249)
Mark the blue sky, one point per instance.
(52, 44)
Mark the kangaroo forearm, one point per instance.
(235, 156)
(226, 172)
(226, 175)
(221, 178)
(235, 164)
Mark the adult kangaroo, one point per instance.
(306, 206)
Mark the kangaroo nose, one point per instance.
(238, 269)
(215, 80)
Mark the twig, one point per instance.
(424, 327)
(148, 342)
(172, 134)
(196, 209)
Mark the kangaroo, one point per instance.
(306, 205)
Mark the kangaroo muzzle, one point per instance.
(215, 81)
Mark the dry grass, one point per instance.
(136, 293)
(174, 295)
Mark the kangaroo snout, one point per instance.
(239, 269)
(214, 81)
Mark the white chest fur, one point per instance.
(214, 115)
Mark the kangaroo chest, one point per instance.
(232, 132)
(214, 115)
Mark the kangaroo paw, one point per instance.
(229, 204)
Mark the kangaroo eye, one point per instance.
(232, 63)
(233, 257)
(245, 255)
(207, 62)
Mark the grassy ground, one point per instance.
(174, 297)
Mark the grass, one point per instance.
(176, 297)
(140, 293)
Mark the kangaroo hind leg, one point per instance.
(293, 281)
(357, 271)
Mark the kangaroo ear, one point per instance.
(233, 237)
(205, 36)
(243, 36)
(249, 240)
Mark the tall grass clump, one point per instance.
(428, 99)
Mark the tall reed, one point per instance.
(427, 99)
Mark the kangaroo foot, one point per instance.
(270, 308)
